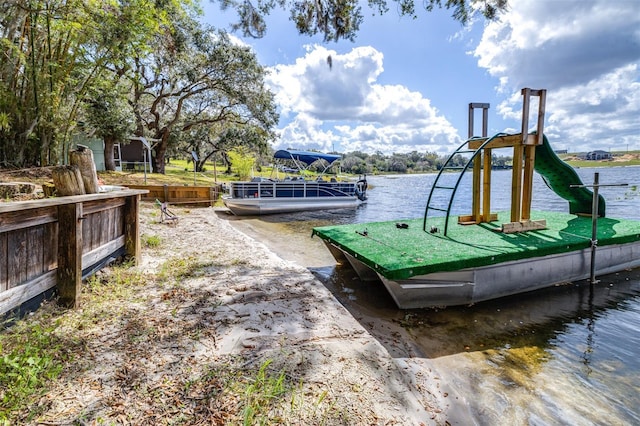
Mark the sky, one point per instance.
(405, 84)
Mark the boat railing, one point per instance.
(292, 189)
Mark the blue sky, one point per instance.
(405, 84)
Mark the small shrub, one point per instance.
(151, 241)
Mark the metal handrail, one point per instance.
(453, 189)
(303, 188)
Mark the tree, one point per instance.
(202, 80)
(341, 19)
(221, 137)
(242, 161)
(40, 46)
(53, 53)
(108, 112)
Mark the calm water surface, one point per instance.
(565, 355)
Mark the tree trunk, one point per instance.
(83, 158)
(158, 158)
(109, 160)
(68, 180)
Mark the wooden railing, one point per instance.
(59, 241)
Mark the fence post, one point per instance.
(69, 279)
(132, 227)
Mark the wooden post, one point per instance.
(527, 183)
(475, 191)
(518, 154)
(165, 191)
(481, 182)
(530, 153)
(132, 228)
(67, 180)
(83, 158)
(69, 272)
(486, 177)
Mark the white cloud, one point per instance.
(337, 102)
(586, 53)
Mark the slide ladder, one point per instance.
(449, 191)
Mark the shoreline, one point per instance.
(340, 351)
(419, 376)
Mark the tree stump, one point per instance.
(49, 189)
(68, 181)
(10, 190)
(83, 158)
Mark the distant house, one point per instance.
(598, 155)
(132, 155)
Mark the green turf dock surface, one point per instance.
(401, 253)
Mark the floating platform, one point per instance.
(479, 262)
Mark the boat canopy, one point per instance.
(306, 157)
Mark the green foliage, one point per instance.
(108, 112)
(413, 162)
(31, 357)
(151, 241)
(242, 162)
(261, 394)
(337, 20)
(120, 282)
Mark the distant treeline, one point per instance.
(414, 162)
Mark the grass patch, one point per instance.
(32, 356)
(602, 163)
(151, 241)
(262, 394)
(118, 283)
(179, 268)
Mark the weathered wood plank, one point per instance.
(50, 246)
(12, 220)
(96, 206)
(118, 225)
(57, 201)
(16, 296)
(101, 252)
(45, 238)
(35, 251)
(69, 270)
(524, 226)
(111, 224)
(87, 227)
(17, 257)
(4, 263)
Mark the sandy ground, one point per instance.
(163, 354)
(270, 308)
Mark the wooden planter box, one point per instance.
(60, 241)
(180, 194)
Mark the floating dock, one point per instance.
(479, 262)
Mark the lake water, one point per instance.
(564, 355)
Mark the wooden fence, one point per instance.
(180, 194)
(60, 241)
